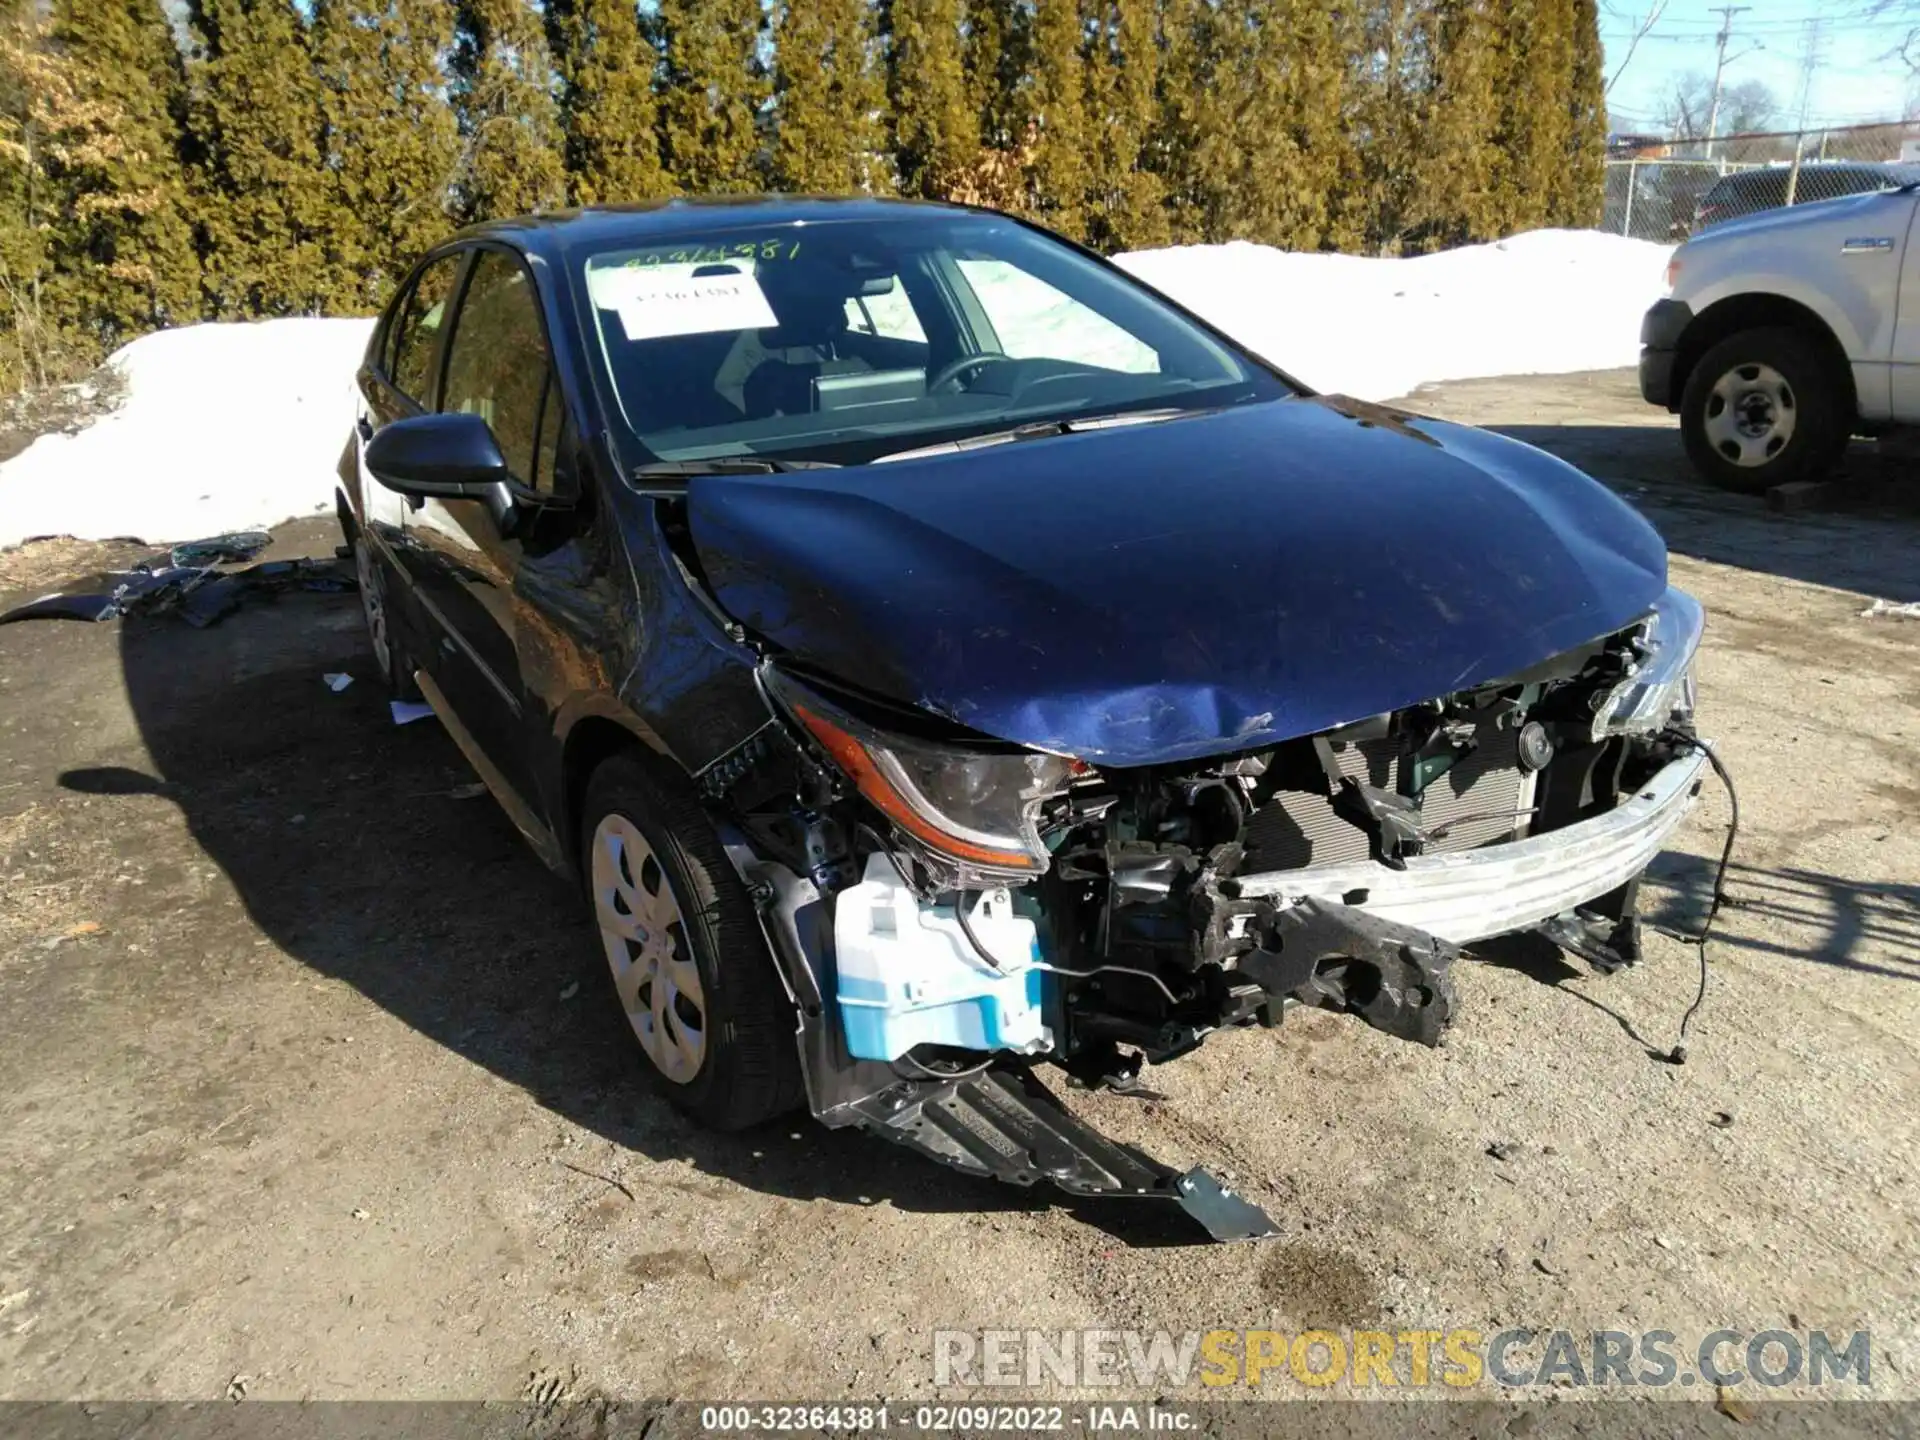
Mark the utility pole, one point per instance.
(1811, 48)
(1726, 14)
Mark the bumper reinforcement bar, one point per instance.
(1472, 894)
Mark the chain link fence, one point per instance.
(1667, 189)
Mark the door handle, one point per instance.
(365, 427)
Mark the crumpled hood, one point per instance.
(1165, 591)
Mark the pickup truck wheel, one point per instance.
(396, 668)
(688, 959)
(1764, 407)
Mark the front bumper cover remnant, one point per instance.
(1472, 894)
(1338, 958)
(1003, 1123)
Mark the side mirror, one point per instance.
(441, 457)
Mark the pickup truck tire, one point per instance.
(688, 959)
(1764, 407)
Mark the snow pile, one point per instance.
(228, 427)
(223, 427)
(1544, 302)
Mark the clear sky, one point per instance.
(1857, 79)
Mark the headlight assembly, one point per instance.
(976, 808)
(1659, 685)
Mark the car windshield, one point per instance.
(843, 341)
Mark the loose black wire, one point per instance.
(966, 925)
(1678, 1055)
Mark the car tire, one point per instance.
(671, 909)
(1762, 408)
(389, 655)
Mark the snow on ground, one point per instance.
(224, 427)
(231, 426)
(1544, 302)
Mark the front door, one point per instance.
(465, 553)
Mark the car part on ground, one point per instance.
(202, 594)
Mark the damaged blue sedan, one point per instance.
(943, 660)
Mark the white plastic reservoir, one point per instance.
(909, 976)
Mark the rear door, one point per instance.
(465, 554)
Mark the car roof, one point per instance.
(600, 227)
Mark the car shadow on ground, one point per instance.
(1861, 536)
(360, 849)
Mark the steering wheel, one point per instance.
(954, 369)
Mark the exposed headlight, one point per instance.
(979, 808)
(1659, 685)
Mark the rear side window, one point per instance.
(418, 327)
(497, 365)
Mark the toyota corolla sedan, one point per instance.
(941, 658)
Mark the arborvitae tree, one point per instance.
(935, 123)
(393, 146)
(829, 96)
(715, 88)
(1294, 143)
(1386, 112)
(1533, 75)
(1177, 152)
(1451, 199)
(122, 236)
(608, 111)
(509, 124)
(1124, 207)
(999, 47)
(1060, 177)
(1582, 198)
(264, 193)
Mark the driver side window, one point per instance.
(1037, 322)
(497, 361)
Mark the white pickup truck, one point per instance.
(1787, 332)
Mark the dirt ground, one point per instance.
(311, 1086)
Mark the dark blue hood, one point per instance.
(1166, 591)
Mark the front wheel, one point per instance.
(1764, 407)
(688, 958)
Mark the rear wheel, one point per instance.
(685, 950)
(1764, 407)
(395, 667)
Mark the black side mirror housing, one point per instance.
(441, 457)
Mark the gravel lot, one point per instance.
(308, 1073)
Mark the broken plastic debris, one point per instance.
(1887, 609)
(337, 681)
(231, 549)
(200, 594)
(405, 712)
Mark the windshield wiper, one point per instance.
(725, 465)
(1038, 430)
